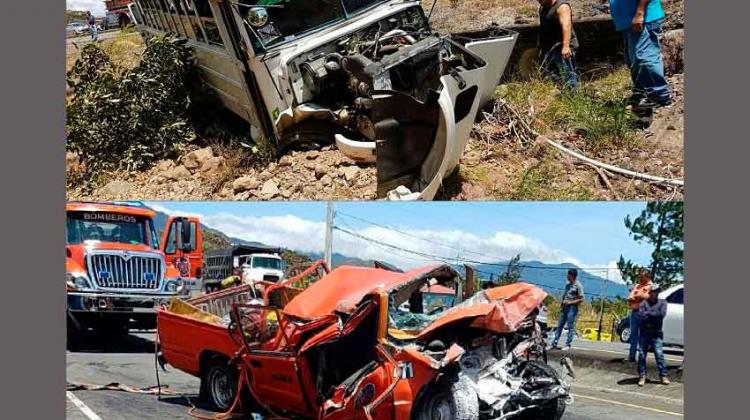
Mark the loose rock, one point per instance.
(245, 183)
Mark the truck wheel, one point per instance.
(453, 399)
(219, 384)
(625, 335)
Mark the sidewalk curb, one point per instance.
(612, 362)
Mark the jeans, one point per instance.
(649, 342)
(635, 322)
(92, 29)
(568, 316)
(643, 57)
(559, 69)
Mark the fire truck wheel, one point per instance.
(218, 384)
(453, 398)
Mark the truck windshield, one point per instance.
(288, 19)
(267, 262)
(109, 227)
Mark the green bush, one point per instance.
(129, 119)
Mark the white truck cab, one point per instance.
(261, 267)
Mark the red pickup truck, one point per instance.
(361, 343)
(193, 334)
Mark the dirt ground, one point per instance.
(499, 170)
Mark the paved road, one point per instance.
(85, 39)
(132, 363)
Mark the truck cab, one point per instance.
(261, 267)
(118, 269)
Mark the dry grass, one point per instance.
(462, 15)
(125, 50)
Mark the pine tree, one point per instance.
(512, 272)
(660, 224)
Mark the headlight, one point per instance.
(174, 286)
(77, 280)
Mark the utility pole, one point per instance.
(601, 308)
(328, 252)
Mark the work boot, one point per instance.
(642, 381)
(664, 380)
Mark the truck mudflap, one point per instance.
(420, 143)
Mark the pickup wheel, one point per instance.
(453, 399)
(219, 384)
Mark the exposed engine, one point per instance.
(506, 373)
(337, 81)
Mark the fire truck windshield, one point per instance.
(110, 227)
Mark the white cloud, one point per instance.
(303, 235)
(95, 6)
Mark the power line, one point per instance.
(460, 250)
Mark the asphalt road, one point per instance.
(131, 362)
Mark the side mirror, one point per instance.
(257, 17)
(187, 233)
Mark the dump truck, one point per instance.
(119, 271)
(365, 342)
(370, 76)
(255, 264)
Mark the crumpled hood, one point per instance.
(345, 287)
(499, 309)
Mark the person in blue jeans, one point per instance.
(572, 298)
(92, 25)
(637, 295)
(652, 313)
(557, 42)
(640, 23)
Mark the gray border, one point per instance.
(717, 221)
(33, 190)
(33, 176)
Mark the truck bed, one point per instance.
(195, 327)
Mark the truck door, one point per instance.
(182, 244)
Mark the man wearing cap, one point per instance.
(572, 297)
(637, 296)
(652, 313)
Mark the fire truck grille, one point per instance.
(134, 272)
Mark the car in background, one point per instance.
(76, 28)
(673, 322)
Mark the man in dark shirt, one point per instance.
(572, 297)
(557, 41)
(652, 312)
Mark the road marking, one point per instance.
(83, 407)
(621, 353)
(656, 410)
(667, 400)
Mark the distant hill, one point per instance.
(550, 277)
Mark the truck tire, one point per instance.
(453, 398)
(552, 410)
(218, 384)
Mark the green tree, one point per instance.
(660, 224)
(512, 272)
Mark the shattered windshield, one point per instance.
(288, 19)
(417, 306)
(109, 227)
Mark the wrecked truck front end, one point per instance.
(385, 89)
(410, 357)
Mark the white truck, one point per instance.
(254, 265)
(370, 76)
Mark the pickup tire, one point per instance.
(218, 383)
(453, 398)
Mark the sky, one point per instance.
(95, 6)
(589, 234)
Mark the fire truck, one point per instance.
(119, 271)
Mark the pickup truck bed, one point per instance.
(192, 331)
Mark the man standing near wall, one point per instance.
(572, 297)
(557, 41)
(92, 25)
(637, 295)
(640, 23)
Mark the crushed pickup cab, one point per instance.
(370, 76)
(366, 343)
